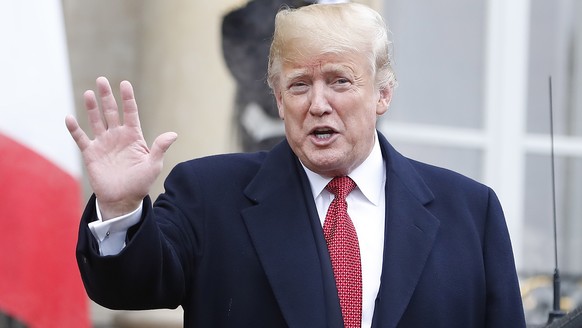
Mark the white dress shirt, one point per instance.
(110, 234)
(366, 208)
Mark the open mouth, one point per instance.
(324, 133)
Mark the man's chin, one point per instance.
(329, 166)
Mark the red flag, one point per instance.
(39, 282)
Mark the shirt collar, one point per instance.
(365, 176)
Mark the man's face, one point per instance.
(330, 105)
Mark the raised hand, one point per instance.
(120, 165)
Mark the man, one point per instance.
(262, 240)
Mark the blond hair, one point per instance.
(331, 28)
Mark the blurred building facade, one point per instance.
(472, 96)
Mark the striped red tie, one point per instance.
(344, 251)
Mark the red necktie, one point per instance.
(344, 251)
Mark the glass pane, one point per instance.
(439, 56)
(538, 223)
(465, 161)
(538, 237)
(555, 49)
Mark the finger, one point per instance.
(77, 133)
(130, 112)
(161, 145)
(108, 103)
(95, 121)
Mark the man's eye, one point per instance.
(297, 84)
(342, 81)
(298, 87)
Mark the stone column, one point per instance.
(182, 82)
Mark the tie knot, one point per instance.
(341, 186)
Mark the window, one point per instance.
(474, 97)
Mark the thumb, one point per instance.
(161, 144)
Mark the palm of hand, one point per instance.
(120, 166)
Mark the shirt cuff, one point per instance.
(110, 234)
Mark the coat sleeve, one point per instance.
(504, 306)
(146, 274)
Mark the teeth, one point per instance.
(323, 135)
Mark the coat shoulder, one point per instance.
(222, 166)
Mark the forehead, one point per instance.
(353, 63)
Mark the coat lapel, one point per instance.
(409, 236)
(280, 227)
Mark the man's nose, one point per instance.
(319, 105)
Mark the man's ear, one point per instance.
(384, 100)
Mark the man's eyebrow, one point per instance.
(295, 74)
(330, 68)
